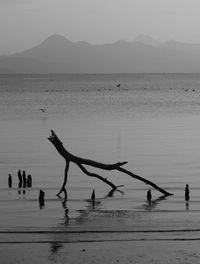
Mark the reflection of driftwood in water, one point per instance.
(81, 161)
(153, 203)
(55, 247)
(111, 192)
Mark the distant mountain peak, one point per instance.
(57, 54)
(121, 41)
(56, 38)
(145, 39)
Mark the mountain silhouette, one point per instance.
(142, 38)
(56, 54)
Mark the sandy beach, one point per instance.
(166, 252)
(58, 233)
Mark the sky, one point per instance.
(26, 23)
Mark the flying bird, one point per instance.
(43, 110)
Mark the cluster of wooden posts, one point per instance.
(25, 181)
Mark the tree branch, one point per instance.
(144, 180)
(80, 161)
(63, 189)
(68, 156)
(98, 176)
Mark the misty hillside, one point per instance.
(56, 54)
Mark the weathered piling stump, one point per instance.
(29, 181)
(9, 181)
(187, 193)
(93, 198)
(19, 174)
(24, 178)
(149, 196)
(41, 199)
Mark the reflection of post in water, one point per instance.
(21, 191)
(153, 203)
(41, 199)
(92, 207)
(187, 205)
(9, 181)
(66, 217)
(55, 247)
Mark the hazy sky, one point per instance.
(25, 23)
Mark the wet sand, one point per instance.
(165, 252)
(163, 231)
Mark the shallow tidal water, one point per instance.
(151, 121)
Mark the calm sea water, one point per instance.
(151, 121)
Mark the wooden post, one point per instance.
(20, 179)
(93, 198)
(9, 181)
(187, 193)
(41, 199)
(29, 181)
(149, 196)
(24, 178)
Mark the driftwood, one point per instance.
(80, 162)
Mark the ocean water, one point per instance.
(151, 121)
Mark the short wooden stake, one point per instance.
(93, 197)
(149, 196)
(20, 179)
(187, 193)
(9, 181)
(29, 181)
(24, 178)
(41, 198)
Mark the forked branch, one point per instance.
(81, 161)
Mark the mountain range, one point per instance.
(57, 54)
